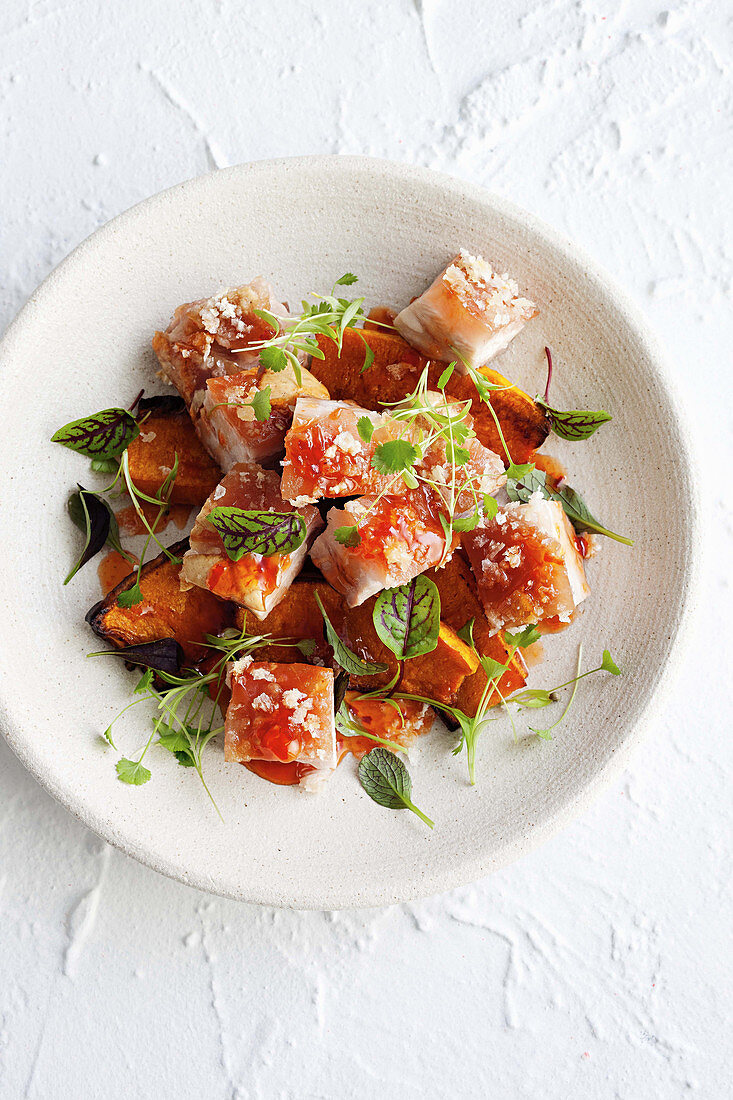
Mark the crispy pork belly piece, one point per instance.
(213, 336)
(280, 712)
(400, 537)
(255, 581)
(326, 457)
(527, 565)
(227, 424)
(403, 725)
(468, 307)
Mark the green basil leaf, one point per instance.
(574, 424)
(407, 619)
(250, 532)
(387, 781)
(106, 434)
(346, 658)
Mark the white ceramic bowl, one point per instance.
(83, 343)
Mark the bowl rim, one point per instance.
(479, 866)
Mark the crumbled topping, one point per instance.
(263, 702)
(495, 297)
(261, 674)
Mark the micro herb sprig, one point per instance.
(329, 317)
(187, 705)
(261, 404)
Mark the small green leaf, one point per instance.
(394, 456)
(105, 435)
(105, 465)
(466, 523)
(260, 403)
(575, 508)
(131, 771)
(252, 532)
(466, 633)
(491, 507)
(93, 517)
(445, 376)
(387, 782)
(131, 596)
(527, 636)
(407, 619)
(609, 665)
(273, 359)
(346, 280)
(516, 473)
(368, 356)
(365, 428)
(492, 668)
(347, 536)
(409, 479)
(144, 683)
(345, 657)
(306, 646)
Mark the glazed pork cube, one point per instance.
(399, 538)
(255, 581)
(226, 421)
(527, 566)
(213, 336)
(326, 457)
(280, 712)
(468, 308)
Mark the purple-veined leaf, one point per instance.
(163, 655)
(93, 518)
(250, 532)
(407, 619)
(106, 434)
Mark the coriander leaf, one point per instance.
(348, 660)
(306, 646)
(394, 456)
(347, 536)
(144, 683)
(466, 523)
(573, 504)
(131, 596)
(515, 473)
(107, 735)
(387, 782)
(407, 619)
(574, 424)
(346, 280)
(466, 633)
(459, 456)
(365, 428)
(527, 636)
(491, 506)
(609, 665)
(252, 532)
(273, 359)
(260, 403)
(492, 668)
(92, 516)
(106, 434)
(131, 771)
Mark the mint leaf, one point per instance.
(394, 456)
(252, 532)
(407, 619)
(387, 782)
(106, 434)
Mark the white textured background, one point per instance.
(599, 966)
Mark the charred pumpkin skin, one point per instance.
(165, 610)
(459, 604)
(437, 675)
(166, 431)
(524, 424)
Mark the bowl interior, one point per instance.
(302, 223)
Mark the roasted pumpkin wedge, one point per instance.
(166, 431)
(459, 603)
(436, 675)
(165, 611)
(395, 372)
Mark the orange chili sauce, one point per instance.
(112, 569)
